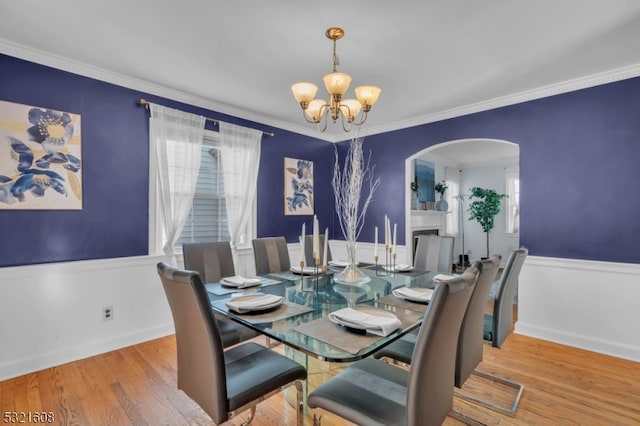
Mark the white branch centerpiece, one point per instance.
(348, 184)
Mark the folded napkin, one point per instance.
(307, 270)
(254, 302)
(443, 277)
(416, 294)
(400, 267)
(240, 282)
(380, 325)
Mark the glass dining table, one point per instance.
(302, 321)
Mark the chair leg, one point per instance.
(511, 411)
(464, 419)
(251, 416)
(299, 403)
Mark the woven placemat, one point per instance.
(392, 300)
(286, 310)
(324, 330)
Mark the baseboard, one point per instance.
(45, 360)
(606, 347)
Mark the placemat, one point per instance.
(219, 290)
(392, 300)
(283, 311)
(348, 341)
(412, 273)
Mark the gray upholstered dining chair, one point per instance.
(214, 261)
(500, 324)
(470, 342)
(372, 392)
(434, 253)
(308, 250)
(223, 383)
(271, 255)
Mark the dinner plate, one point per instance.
(366, 310)
(400, 267)
(443, 277)
(421, 295)
(307, 270)
(251, 302)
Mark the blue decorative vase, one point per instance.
(442, 205)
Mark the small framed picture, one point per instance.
(298, 187)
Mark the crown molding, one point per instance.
(80, 68)
(567, 86)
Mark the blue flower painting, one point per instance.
(298, 187)
(40, 158)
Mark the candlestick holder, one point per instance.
(389, 267)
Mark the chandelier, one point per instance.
(349, 111)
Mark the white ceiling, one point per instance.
(433, 59)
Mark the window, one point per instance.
(207, 220)
(452, 178)
(512, 183)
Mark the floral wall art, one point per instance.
(40, 158)
(298, 187)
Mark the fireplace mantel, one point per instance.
(428, 219)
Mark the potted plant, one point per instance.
(441, 188)
(485, 208)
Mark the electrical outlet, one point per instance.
(107, 313)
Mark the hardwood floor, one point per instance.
(137, 386)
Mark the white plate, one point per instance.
(365, 310)
(401, 267)
(251, 302)
(307, 270)
(339, 263)
(414, 294)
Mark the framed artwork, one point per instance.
(40, 158)
(298, 187)
(425, 177)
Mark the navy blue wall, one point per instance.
(579, 156)
(115, 156)
(578, 167)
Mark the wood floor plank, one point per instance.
(137, 385)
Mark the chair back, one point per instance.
(434, 253)
(471, 341)
(308, 250)
(201, 366)
(431, 377)
(271, 255)
(212, 260)
(503, 305)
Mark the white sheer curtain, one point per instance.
(512, 183)
(452, 178)
(240, 153)
(175, 138)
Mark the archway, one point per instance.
(480, 161)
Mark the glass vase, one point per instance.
(351, 275)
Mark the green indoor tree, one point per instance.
(485, 208)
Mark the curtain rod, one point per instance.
(145, 103)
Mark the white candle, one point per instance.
(386, 232)
(375, 244)
(302, 246)
(395, 229)
(316, 240)
(326, 246)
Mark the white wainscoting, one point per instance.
(585, 304)
(51, 314)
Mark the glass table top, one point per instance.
(302, 320)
